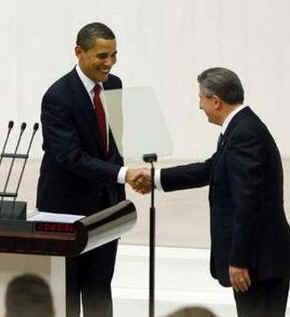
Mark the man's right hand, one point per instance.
(139, 179)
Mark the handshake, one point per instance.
(139, 179)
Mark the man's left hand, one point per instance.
(240, 278)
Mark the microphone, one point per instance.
(23, 126)
(10, 126)
(35, 128)
(15, 209)
(14, 155)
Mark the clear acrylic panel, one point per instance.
(137, 122)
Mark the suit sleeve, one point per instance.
(62, 143)
(186, 176)
(245, 173)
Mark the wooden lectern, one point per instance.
(43, 234)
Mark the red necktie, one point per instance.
(100, 113)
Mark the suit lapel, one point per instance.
(83, 102)
(236, 120)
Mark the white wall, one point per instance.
(164, 44)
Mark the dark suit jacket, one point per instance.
(245, 177)
(76, 176)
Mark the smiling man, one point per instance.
(250, 235)
(82, 170)
(96, 62)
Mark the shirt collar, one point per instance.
(230, 117)
(88, 83)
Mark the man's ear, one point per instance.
(78, 51)
(217, 102)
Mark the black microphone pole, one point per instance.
(10, 126)
(15, 209)
(35, 128)
(22, 128)
(150, 158)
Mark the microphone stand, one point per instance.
(13, 156)
(150, 158)
(10, 126)
(14, 209)
(35, 128)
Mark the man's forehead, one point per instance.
(100, 42)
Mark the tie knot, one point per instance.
(97, 89)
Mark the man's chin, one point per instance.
(106, 77)
(101, 77)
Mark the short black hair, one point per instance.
(28, 295)
(191, 311)
(222, 82)
(88, 34)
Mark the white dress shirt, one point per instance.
(90, 85)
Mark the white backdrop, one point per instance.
(162, 43)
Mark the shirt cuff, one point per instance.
(122, 175)
(157, 179)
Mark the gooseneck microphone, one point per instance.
(35, 128)
(14, 209)
(13, 156)
(10, 126)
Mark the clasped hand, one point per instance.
(139, 179)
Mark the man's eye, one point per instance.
(102, 56)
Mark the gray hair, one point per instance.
(223, 83)
(88, 34)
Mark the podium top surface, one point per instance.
(63, 234)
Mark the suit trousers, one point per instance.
(266, 298)
(90, 276)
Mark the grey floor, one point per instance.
(181, 279)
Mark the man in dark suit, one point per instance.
(250, 236)
(82, 170)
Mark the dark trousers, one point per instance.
(90, 275)
(263, 299)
